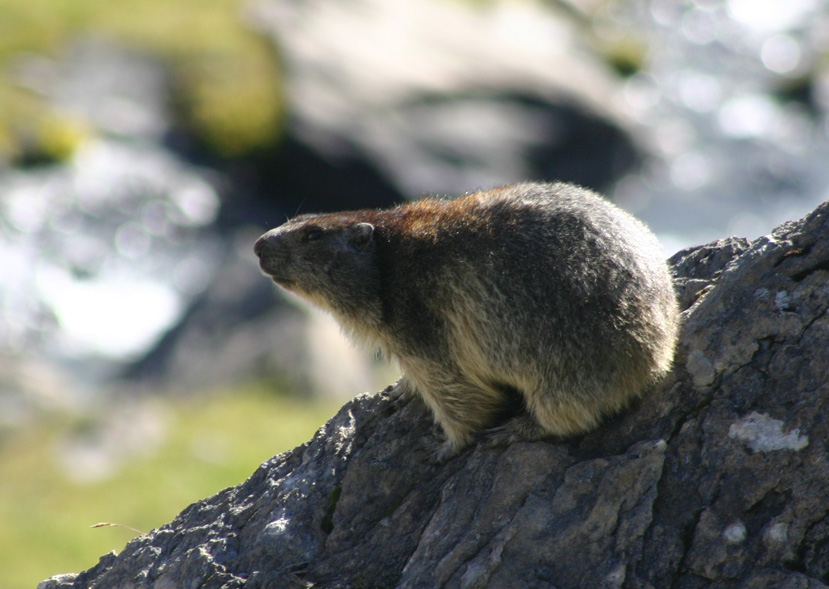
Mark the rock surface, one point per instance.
(718, 478)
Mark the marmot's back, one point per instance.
(546, 290)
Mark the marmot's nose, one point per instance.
(260, 245)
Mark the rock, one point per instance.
(717, 478)
(459, 96)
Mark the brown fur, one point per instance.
(546, 290)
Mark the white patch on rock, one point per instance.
(764, 434)
(783, 301)
(344, 437)
(777, 534)
(735, 533)
(700, 368)
(277, 527)
(616, 577)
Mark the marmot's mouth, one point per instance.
(282, 281)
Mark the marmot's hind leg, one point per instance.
(523, 428)
(463, 411)
(546, 417)
(459, 430)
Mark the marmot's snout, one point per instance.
(262, 245)
(267, 250)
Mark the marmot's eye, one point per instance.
(313, 233)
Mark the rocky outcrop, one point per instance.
(718, 478)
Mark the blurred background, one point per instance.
(144, 145)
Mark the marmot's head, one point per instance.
(328, 259)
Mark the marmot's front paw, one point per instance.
(399, 393)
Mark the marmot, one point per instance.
(547, 291)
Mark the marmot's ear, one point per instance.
(360, 235)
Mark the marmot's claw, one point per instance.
(518, 429)
(497, 437)
(443, 454)
(399, 393)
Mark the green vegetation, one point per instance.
(227, 78)
(209, 444)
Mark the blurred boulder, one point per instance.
(717, 478)
(447, 97)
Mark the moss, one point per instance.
(230, 77)
(59, 136)
(327, 524)
(626, 55)
(231, 101)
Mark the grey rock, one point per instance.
(716, 479)
(446, 97)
